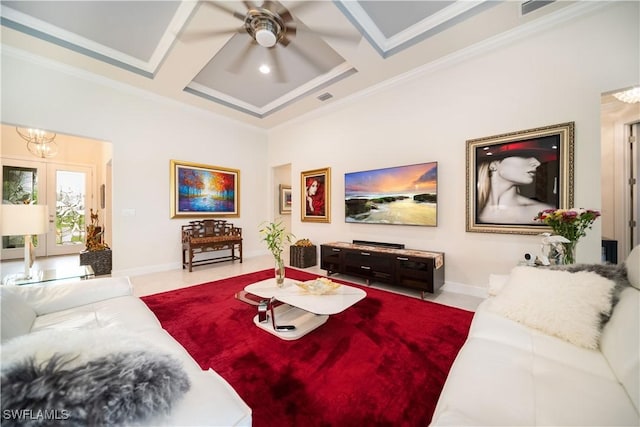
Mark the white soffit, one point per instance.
(375, 19)
(156, 22)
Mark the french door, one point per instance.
(68, 192)
(69, 198)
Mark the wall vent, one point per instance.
(325, 96)
(531, 5)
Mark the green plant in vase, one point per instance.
(275, 235)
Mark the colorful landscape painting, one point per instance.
(406, 195)
(205, 191)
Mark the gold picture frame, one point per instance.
(513, 176)
(204, 191)
(315, 200)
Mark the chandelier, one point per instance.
(39, 143)
(630, 96)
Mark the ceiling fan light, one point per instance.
(265, 37)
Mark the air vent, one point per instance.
(325, 96)
(531, 5)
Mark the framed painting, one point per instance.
(316, 195)
(513, 176)
(285, 199)
(203, 191)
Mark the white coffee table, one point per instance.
(300, 309)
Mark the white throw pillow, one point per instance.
(560, 303)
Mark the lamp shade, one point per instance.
(20, 220)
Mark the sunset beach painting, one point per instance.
(406, 195)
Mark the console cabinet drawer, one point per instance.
(330, 259)
(368, 265)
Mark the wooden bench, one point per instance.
(207, 236)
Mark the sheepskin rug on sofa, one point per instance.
(88, 377)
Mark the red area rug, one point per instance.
(383, 361)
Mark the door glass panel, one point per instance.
(70, 207)
(19, 185)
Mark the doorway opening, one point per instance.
(68, 184)
(620, 164)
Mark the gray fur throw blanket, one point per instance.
(121, 388)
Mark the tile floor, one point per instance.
(148, 284)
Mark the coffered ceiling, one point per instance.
(200, 53)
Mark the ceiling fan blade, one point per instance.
(339, 35)
(290, 30)
(278, 72)
(201, 35)
(270, 6)
(310, 59)
(226, 9)
(286, 16)
(296, 8)
(236, 66)
(284, 40)
(248, 5)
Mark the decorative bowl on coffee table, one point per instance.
(319, 286)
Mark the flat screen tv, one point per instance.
(406, 195)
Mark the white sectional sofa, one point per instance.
(96, 317)
(509, 373)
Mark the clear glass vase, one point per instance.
(568, 255)
(279, 273)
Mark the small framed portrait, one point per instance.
(285, 199)
(513, 176)
(203, 191)
(316, 195)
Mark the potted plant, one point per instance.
(275, 235)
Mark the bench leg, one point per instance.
(240, 250)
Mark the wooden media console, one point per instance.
(422, 270)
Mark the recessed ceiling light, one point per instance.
(264, 69)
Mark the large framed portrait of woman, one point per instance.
(513, 176)
(316, 195)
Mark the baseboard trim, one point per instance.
(461, 288)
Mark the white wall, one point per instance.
(146, 132)
(545, 78)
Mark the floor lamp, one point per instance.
(25, 220)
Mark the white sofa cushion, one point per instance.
(50, 297)
(620, 343)
(17, 316)
(567, 305)
(127, 311)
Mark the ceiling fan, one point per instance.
(269, 26)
